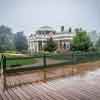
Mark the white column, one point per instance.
(31, 47)
(37, 47)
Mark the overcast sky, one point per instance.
(28, 15)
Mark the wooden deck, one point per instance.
(62, 89)
(78, 87)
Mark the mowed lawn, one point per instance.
(20, 62)
(15, 60)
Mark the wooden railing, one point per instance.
(3, 72)
(73, 58)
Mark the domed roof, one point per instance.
(45, 28)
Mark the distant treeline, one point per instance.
(10, 41)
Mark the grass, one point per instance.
(13, 55)
(15, 60)
(19, 62)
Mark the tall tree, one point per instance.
(98, 43)
(50, 45)
(21, 41)
(81, 42)
(6, 39)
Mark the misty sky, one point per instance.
(28, 15)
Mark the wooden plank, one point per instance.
(14, 96)
(52, 94)
(8, 96)
(31, 93)
(23, 93)
(4, 97)
(18, 94)
(73, 88)
(42, 95)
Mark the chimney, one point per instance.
(62, 28)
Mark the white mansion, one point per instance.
(38, 40)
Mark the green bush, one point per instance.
(81, 42)
(50, 46)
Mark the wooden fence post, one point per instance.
(74, 62)
(44, 65)
(44, 60)
(3, 72)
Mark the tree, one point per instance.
(6, 39)
(50, 45)
(21, 41)
(81, 42)
(97, 45)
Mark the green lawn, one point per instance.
(15, 60)
(19, 62)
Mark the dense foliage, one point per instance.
(50, 45)
(81, 42)
(10, 41)
(21, 41)
(97, 45)
(6, 39)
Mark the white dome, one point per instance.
(46, 28)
